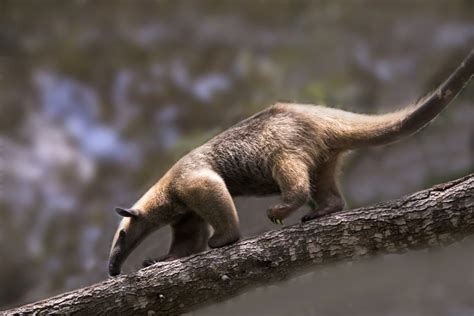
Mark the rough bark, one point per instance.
(438, 216)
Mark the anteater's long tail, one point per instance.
(358, 130)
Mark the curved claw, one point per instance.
(276, 221)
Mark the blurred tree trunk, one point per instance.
(438, 216)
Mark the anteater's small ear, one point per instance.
(126, 212)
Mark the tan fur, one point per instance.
(293, 150)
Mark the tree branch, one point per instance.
(438, 216)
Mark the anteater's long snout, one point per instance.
(115, 262)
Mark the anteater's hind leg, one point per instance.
(190, 235)
(292, 177)
(325, 190)
(206, 194)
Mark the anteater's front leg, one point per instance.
(190, 235)
(206, 194)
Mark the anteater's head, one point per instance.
(133, 228)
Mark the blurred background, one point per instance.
(99, 98)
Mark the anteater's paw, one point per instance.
(314, 214)
(150, 261)
(318, 213)
(310, 216)
(277, 214)
(220, 240)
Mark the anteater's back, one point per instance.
(245, 154)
